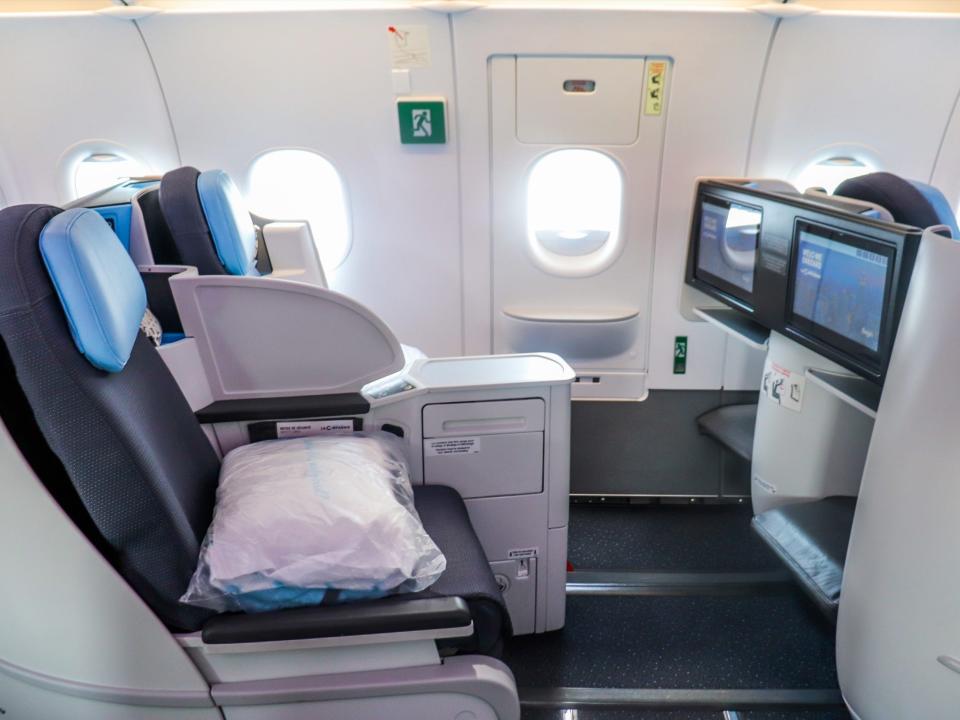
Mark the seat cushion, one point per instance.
(812, 538)
(468, 574)
(732, 426)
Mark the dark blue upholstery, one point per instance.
(187, 223)
(132, 448)
(909, 202)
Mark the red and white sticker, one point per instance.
(783, 386)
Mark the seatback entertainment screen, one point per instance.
(727, 250)
(841, 284)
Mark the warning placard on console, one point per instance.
(451, 446)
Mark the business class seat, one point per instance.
(209, 228)
(812, 537)
(142, 473)
(898, 635)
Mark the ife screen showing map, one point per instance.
(841, 287)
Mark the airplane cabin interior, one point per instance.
(479, 359)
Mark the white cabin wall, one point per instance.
(946, 172)
(69, 79)
(240, 83)
(882, 87)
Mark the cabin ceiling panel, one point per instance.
(73, 79)
(881, 87)
(242, 83)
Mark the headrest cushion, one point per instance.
(98, 285)
(910, 203)
(234, 235)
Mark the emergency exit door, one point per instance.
(576, 146)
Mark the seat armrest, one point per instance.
(392, 615)
(284, 408)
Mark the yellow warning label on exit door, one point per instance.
(656, 87)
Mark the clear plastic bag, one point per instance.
(297, 520)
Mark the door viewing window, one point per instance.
(302, 185)
(574, 208)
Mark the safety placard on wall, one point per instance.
(783, 386)
(451, 446)
(656, 87)
(409, 46)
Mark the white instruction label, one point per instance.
(452, 446)
(782, 386)
(521, 553)
(306, 428)
(409, 46)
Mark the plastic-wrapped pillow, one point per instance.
(310, 520)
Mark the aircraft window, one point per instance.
(829, 173)
(574, 203)
(101, 170)
(302, 185)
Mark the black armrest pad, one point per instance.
(390, 615)
(279, 408)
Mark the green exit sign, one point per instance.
(422, 122)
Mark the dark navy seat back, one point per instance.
(180, 205)
(138, 459)
(910, 202)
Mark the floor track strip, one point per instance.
(606, 582)
(680, 699)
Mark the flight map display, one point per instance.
(728, 242)
(840, 287)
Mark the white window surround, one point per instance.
(828, 172)
(101, 170)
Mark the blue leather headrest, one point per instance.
(234, 235)
(98, 285)
(910, 202)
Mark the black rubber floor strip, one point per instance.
(679, 699)
(604, 582)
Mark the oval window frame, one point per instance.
(867, 156)
(73, 156)
(344, 191)
(575, 265)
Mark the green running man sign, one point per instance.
(422, 122)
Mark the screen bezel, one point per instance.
(729, 291)
(871, 361)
